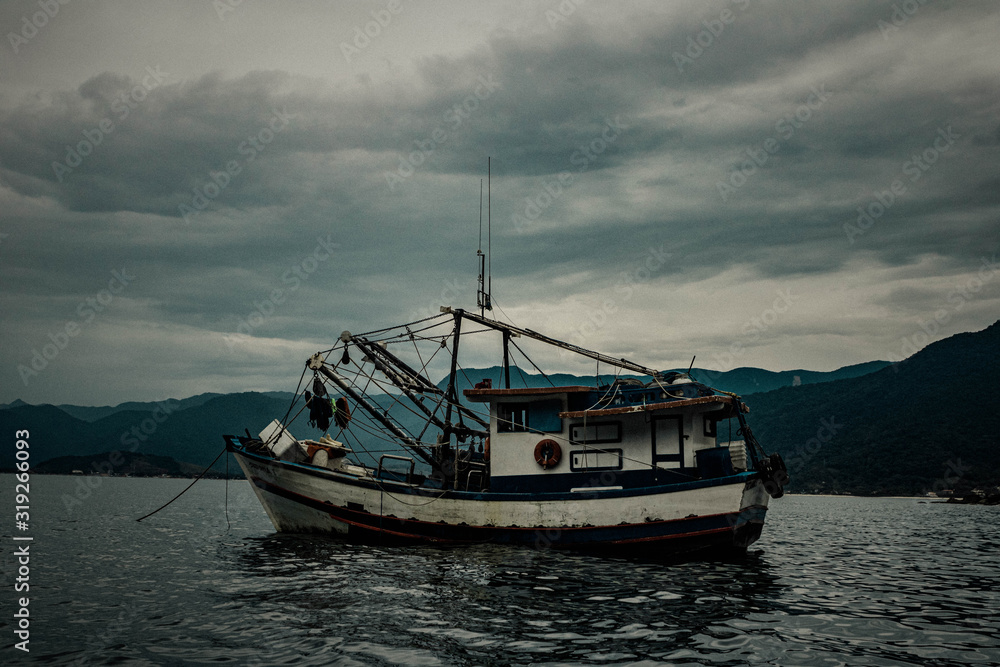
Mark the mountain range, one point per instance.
(928, 423)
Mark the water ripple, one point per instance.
(834, 581)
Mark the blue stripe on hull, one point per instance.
(735, 530)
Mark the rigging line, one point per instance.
(284, 422)
(420, 358)
(434, 412)
(296, 396)
(467, 379)
(188, 486)
(494, 302)
(377, 432)
(364, 395)
(420, 415)
(370, 399)
(521, 373)
(408, 324)
(296, 416)
(613, 389)
(329, 351)
(666, 391)
(532, 363)
(401, 335)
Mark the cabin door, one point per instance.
(668, 441)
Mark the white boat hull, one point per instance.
(725, 513)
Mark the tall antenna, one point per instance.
(489, 232)
(480, 291)
(485, 261)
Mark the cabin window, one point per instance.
(537, 416)
(596, 433)
(512, 417)
(710, 426)
(592, 459)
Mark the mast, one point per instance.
(451, 394)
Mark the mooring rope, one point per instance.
(188, 486)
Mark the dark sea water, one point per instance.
(833, 581)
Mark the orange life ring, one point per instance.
(547, 453)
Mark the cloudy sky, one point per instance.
(195, 196)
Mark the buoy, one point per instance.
(547, 453)
(343, 413)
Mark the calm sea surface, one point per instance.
(833, 581)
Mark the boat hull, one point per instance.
(725, 514)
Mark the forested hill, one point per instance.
(929, 423)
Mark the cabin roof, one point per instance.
(484, 395)
(647, 407)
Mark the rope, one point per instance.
(532, 363)
(188, 486)
(228, 525)
(408, 324)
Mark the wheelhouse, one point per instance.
(619, 436)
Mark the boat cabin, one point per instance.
(575, 438)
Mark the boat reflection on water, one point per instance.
(414, 603)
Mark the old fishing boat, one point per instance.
(625, 463)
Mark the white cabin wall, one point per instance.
(514, 453)
(695, 427)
